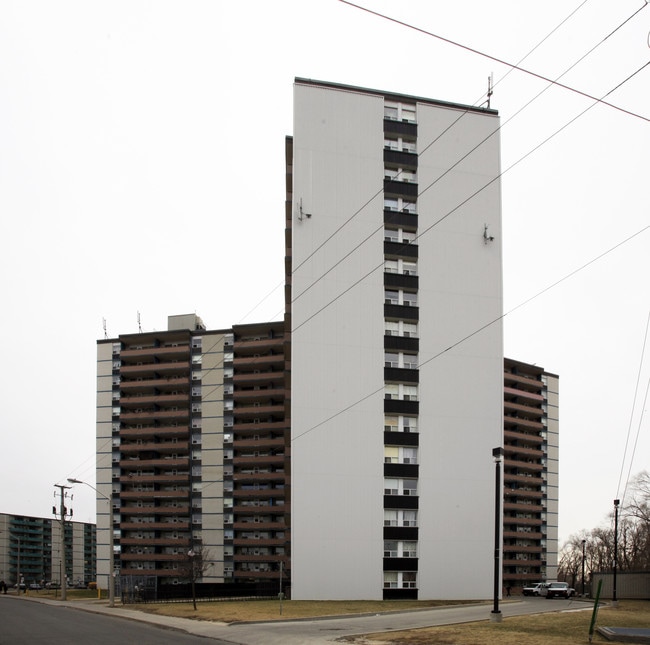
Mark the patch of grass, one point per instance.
(558, 628)
(250, 610)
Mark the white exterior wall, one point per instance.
(552, 475)
(211, 484)
(461, 391)
(337, 355)
(104, 455)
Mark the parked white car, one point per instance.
(536, 589)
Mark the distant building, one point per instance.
(530, 509)
(32, 546)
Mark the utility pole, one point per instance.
(63, 511)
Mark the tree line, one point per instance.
(596, 547)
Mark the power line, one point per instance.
(474, 194)
(498, 60)
(485, 326)
(459, 161)
(629, 428)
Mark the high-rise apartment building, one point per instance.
(191, 451)
(396, 344)
(530, 509)
(347, 448)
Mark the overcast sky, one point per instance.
(142, 170)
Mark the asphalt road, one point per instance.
(25, 620)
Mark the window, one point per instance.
(400, 580)
(409, 330)
(410, 299)
(391, 486)
(400, 204)
(391, 328)
(397, 111)
(391, 359)
(401, 392)
(409, 456)
(391, 297)
(407, 487)
(391, 391)
(391, 424)
(391, 455)
(399, 549)
(399, 144)
(390, 549)
(409, 268)
(391, 266)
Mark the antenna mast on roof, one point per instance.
(490, 89)
(104, 325)
(139, 325)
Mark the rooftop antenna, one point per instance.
(490, 89)
(139, 325)
(104, 325)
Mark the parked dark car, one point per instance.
(559, 590)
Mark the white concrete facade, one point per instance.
(338, 346)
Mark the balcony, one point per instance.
(143, 479)
(258, 460)
(264, 344)
(523, 479)
(509, 420)
(170, 462)
(263, 442)
(150, 416)
(521, 437)
(245, 410)
(149, 432)
(528, 466)
(259, 395)
(266, 509)
(153, 557)
(259, 493)
(154, 399)
(169, 383)
(246, 428)
(136, 541)
(522, 508)
(154, 369)
(178, 351)
(154, 526)
(533, 397)
(253, 542)
(162, 447)
(526, 411)
(252, 378)
(154, 494)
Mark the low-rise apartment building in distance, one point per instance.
(30, 547)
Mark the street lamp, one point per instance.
(616, 503)
(111, 563)
(497, 453)
(583, 567)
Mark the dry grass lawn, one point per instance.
(251, 610)
(563, 628)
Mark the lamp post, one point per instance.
(18, 569)
(583, 567)
(616, 503)
(111, 563)
(497, 453)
